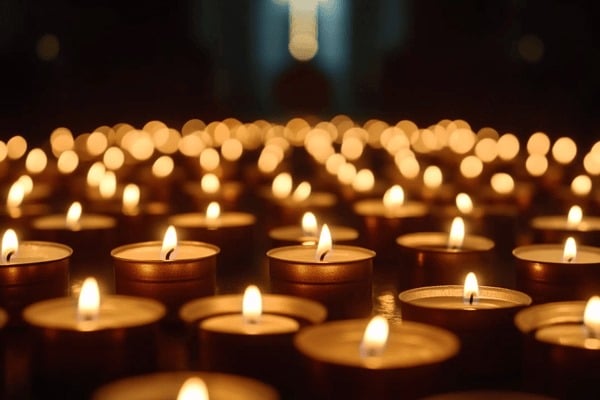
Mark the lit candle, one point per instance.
(481, 316)
(252, 334)
(363, 359)
(18, 213)
(210, 188)
(308, 233)
(186, 385)
(81, 345)
(170, 271)
(556, 272)
(434, 258)
(340, 277)
(562, 347)
(556, 228)
(31, 271)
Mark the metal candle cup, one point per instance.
(166, 385)
(39, 271)
(139, 271)
(72, 357)
(429, 261)
(542, 273)
(342, 281)
(559, 358)
(294, 235)
(414, 362)
(490, 344)
(556, 228)
(221, 341)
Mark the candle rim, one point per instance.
(589, 223)
(518, 253)
(27, 243)
(515, 297)
(157, 243)
(200, 220)
(108, 222)
(418, 209)
(439, 242)
(367, 254)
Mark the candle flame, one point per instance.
(193, 389)
(309, 224)
(393, 197)
(432, 177)
(502, 183)
(464, 203)
(471, 289)
(16, 194)
(10, 245)
(210, 183)
(570, 250)
(324, 245)
(88, 305)
(95, 174)
(213, 212)
(375, 337)
(27, 183)
(457, 233)
(73, 216)
(131, 199)
(574, 217)
(169, 244)
(282, 185)
(302, 192)
(591, 317)
(252, 305)
(108, 185)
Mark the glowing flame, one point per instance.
(302, 192)
(169, 244)
(210, 183)
(16, 194)
(574, 217)
(213, 212)
(393, 197)
(73, 216)
(108, 185)
(252, 305)
(193, 389)
(282, 185)
(88, 306)
(464, 203)
(570, 250)
(591, 317)
(131, 198)
(457, 233)
(375, 337)
(309, 224)
(10, 245)
(324, 245)
(27, 183)
(471, 289)
(432, 177)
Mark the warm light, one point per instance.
(73, 216)
(364, 180)
(471, 289)
(581, 185)
(570, 250)
(464, 203)
(108, 185)
(27, 183)
(508, 146)
(346, 173)
(95, 174)
(536, 164)
(193, 389)
(209, 159)
(409, 167)
(393, 198)
(302, 192)
(16, 194)
(574, 217)
(324, 245)
(169, 244)
(213, 212)
(375, 337)
(432, 177)
(303, 43)
(96, 143)
(131, 198)
(486, 149)
(334, 162)
(564, 150)
(232, 149)
(88, 306)
(352, 147)
(113, 158)
(461, 140)
(538, 143)
(309, 224)
(10, 245)
(502, 183)
(282, 185)
(591, 317)
(16, 147)
(67, 162)
(163, 166)
(471, 167)
(36, 161)
(457, 233)
(252, 305)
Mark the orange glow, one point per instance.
(10, 245)
(309, 224)
(252, 305)
(169, 244)
(502, 183)
(302, 192)
(393, 198)
(193, 389)
(570, 250)
(325, 243)
(470, 289)
(591, 317)
(457, 233)
(375, 337)
(210, 183)
(131, 199)
(73, 216)
(88, 305)
(574, 217)
(282, 185)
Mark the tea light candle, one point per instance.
(138, 221)
(251, 336)
(340, 277)
(31, 271)
(232, 232)
(437, 258)
(561, 347)
(556, 272)
(556, 228)
(481, 316)
(171, 272)
(385, 219)
(78, 347)
(210, 189)
(168, 385)
(307, 233)
(362, 359)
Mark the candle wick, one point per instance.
(471, 299)
(569, 259)
(169, 254)
(322, 257)
(9, 256)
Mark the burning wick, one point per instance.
(471, 299)
(168, 254)
(322, 257)
(9, 255)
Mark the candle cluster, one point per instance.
(371, 238)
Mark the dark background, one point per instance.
(518, 66)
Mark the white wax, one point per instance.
(86, 222)
(268, 324)
(199, 220)
(457, 303)
(574, 335)
(306, 254)
(150, 251)
(375, 207)
(451, 297)
(553, 253)
(37, 252)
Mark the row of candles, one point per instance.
(314, 280)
